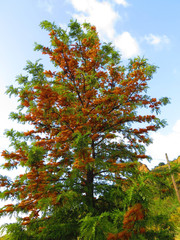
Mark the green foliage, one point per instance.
(81, 141)
(95, 227)
(82, 178)
(161, 164)
(15, 231)
(35, 154)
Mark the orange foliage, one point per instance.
(88, 94)
(134, 214)
(112, 236)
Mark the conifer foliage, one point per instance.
(87, 136)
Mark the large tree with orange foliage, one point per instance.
(88, 126)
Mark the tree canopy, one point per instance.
(90, 119)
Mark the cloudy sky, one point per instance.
(135, 27)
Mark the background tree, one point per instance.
(89, 131)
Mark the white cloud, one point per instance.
(165, 143)
(176, 127)
(156, 39)
(100, 14)
(103, 16)
(63, 25)
(122, 2)
(127, 45)
(47, 5)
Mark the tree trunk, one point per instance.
(90, 188)
(173, 180)
(90, 182)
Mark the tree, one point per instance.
(161, 164)
(88, 132)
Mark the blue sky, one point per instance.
(135, 27)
